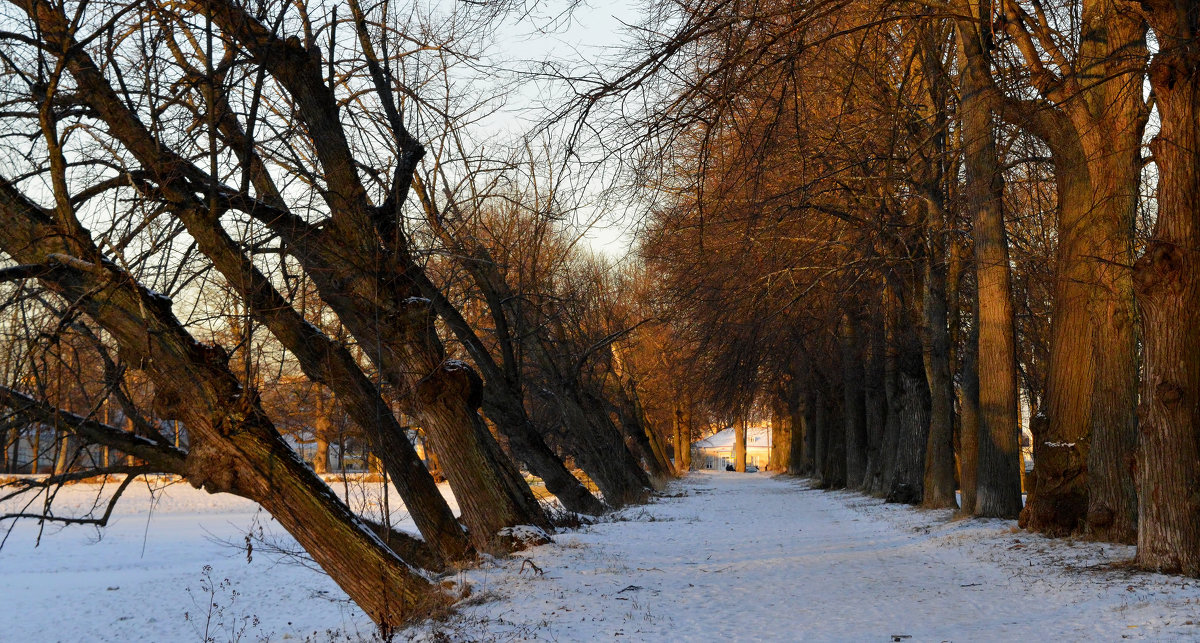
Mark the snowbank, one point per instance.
(721, 556)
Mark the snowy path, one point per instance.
(724, 557)
(750, 557)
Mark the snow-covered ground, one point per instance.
(721, 556)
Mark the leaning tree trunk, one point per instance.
(1168, 285)
(503, 403)
(652, 437)
(637, 434)
(359, 262)
(589, 435)
(233, 445)
(413, 361)
(505, 409)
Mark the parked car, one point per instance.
(749, 468)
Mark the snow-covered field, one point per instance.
(721, 556)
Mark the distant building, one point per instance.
(716, 451)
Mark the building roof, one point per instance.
(756, 436)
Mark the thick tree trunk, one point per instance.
(781, 433)
(651, 435)
(938, 477)
(528, 446)
(688, 433)
(796, 409)
(814, 422)
(637, 435)
(678, 440)
(590, 437)
(995, 447)
(1167, 277)
(327, 362)
(890, 446)
(503, 403)
(1113, 143)
(854, 401)
(502, 393)
(912, 411)
(832, 428)
(835, 431)
(322, 360)
(1091, 385)
(739, 445)
(321, 457)
(322, 429)
(64, 457)
(968, 404)
(1092, 372)
(875, 401)
(364, 282)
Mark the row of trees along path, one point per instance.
(895, 229)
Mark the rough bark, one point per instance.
(1167, 278)
(1116, 178)
(528, 445)
(1093, 124)
(590, 436)
(911, 406)
(938, 479)
(994, 444)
